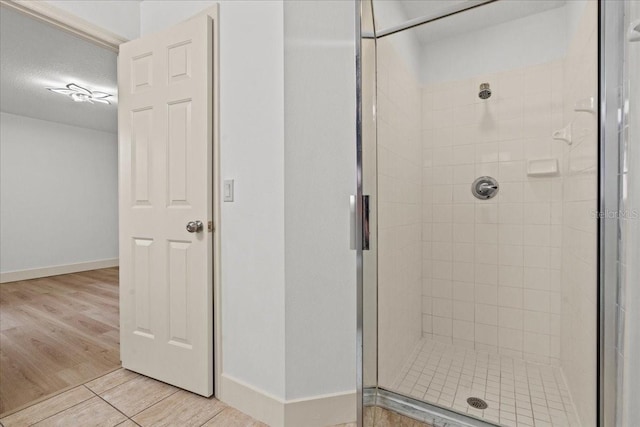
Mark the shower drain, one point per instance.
(477, 403)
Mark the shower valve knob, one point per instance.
(484, 187)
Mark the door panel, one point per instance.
(165, 136)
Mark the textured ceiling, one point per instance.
(35, 55)
(472, 20)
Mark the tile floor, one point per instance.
(125, 399)
(518, 393)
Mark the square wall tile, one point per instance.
(464, 213)
(464, 291)
(535, 300)
(427, 324)
(486, 314)
(536, 321)
(486, 294)
(463, 330)
(464, 233)
(511, 255)
(442, 326)
(486, 334)
(537, 278)
(486, 213)
(464, 310)
(512, 276)
(510, 297)
(486, 274)
(510, 234)
(442, 307)
(486, 253)
(464, 252)
(511, 318)
(537, 344)
(511, 339)
(441, 289)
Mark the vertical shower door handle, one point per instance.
(354, 222)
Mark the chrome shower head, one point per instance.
(485, 92)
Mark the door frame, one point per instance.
(106, 39)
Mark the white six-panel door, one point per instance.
(165, 148)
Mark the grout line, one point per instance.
(61, 411)
(216, 415)
(117, 385)
(154, 404)
(108, 403)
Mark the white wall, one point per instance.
(497, 48)
(288, 276)
(121, 17)
(59, 187)
(320, 134)
(156, 15)
(252, 153)
(389, 13)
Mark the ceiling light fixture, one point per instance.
(80, 94)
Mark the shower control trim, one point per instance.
(485, 187)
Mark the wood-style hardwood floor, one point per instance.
(56, 332)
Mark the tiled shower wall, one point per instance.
(514, 274)
(399, 220)
(579, 225)
(491, 268)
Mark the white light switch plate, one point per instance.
(228, 190)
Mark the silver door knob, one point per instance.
(194, 226)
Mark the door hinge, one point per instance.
(210, 226)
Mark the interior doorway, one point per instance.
(59, 311)
(192, 121)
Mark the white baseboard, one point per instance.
(256, 403)
(36, 273)
(321, 411)
(317, 411)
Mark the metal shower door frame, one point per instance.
(610, 81)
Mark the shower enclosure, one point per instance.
(480, 152)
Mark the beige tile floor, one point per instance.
(125, 399)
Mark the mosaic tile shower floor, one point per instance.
(518, 393)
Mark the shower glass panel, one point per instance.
(368, 173)
(480, 293)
